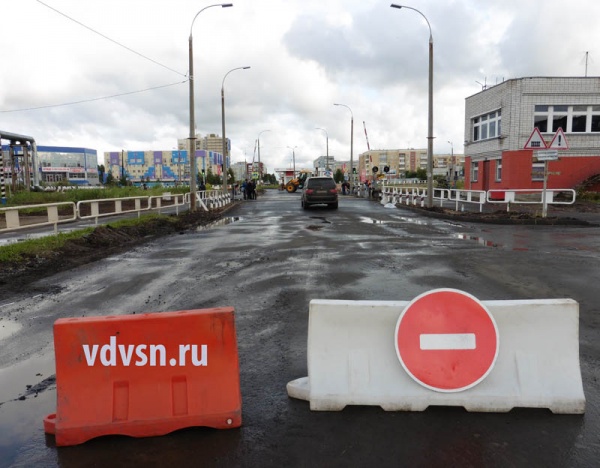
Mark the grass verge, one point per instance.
(42, 246)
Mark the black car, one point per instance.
(319, 191)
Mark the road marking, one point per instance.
(443, 341)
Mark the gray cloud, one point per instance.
(305, 55)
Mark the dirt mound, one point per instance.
(103, 241)
(567, 217)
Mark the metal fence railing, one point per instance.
(459, 199)
(21, 217)
(29, 216)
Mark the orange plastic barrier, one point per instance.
(145, 375)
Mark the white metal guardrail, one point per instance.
(210, 199)
(462, 197)
(111, 206)
(531, 196)
(166, 200)
(403, 195)
(27, 216)
(417, 196)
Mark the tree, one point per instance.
(269, 179)
(421, 174)
(110, 180)
(338, 176)
(230, 176)
(101, 172)
(213, 179)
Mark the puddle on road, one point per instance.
(220, 222)
(516, 246)
(479, 240)
(27, 377)
(8, 327)
(23, 238)
(366, 219)
(18, 236)
(27, 394)
(323, 219)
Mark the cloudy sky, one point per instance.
(112, 74)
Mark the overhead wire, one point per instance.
(109, 39)
(104, 97)
(93, 99)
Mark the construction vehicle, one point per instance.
(296, 183)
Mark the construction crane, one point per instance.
(366, 136)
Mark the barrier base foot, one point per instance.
(326, 405)
(299, 388)
(67, 436)
(50, 424)
(406, 406)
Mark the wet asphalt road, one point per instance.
(268, 260)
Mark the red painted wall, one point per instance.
(517, 167)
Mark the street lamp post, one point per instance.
(327, 148)
(430, 111)
(451, 171)
(192, 137)
(258, 142)
(223, 127)
(351, 145)
(293, 160)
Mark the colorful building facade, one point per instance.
(160, 166)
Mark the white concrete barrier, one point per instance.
(352, 359)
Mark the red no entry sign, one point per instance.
(447, 340)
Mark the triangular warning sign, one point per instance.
(559, 141)
(536, 140)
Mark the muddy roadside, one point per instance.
(103, 241)
(582, 214)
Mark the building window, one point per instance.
(498, 170)
(487, 126)
(579, 119)
(474, 171)
(560, 117)
(572, 119)
(540, 118)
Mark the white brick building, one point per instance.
(499, 121)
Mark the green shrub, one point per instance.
(38, 198)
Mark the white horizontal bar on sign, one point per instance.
(447, 341)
